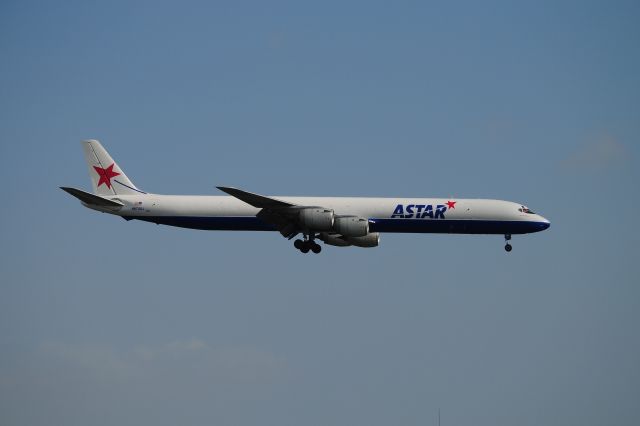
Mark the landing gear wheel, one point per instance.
(308, 244)
(507, 238)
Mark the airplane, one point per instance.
(336, 221)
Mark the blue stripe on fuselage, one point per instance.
(210, 223)
(447, 226)
(453, 226)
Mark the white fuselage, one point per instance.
(439, 215)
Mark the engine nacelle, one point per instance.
(317, 218)
(334, 240)
(351, 226)
(369, 240)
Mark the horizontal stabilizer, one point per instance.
(258, 201)
(92, 199)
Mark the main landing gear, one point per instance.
(307, 244)
(507, 246)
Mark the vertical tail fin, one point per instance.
(106, 177)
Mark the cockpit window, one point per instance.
(525, 209)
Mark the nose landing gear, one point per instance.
(308, 244)
(507, 246)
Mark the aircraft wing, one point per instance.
(281, 214)
(259, 201)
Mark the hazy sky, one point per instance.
(107, 322)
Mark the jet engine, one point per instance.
(351, 226)
(370, 240)
(316, 218)
(334, 240)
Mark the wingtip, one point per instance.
(225, 188)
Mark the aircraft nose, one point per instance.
(544, 223)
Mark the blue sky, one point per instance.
(107, 322)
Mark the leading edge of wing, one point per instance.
(256, 200)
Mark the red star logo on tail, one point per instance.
(451, 204)
(106, 175)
